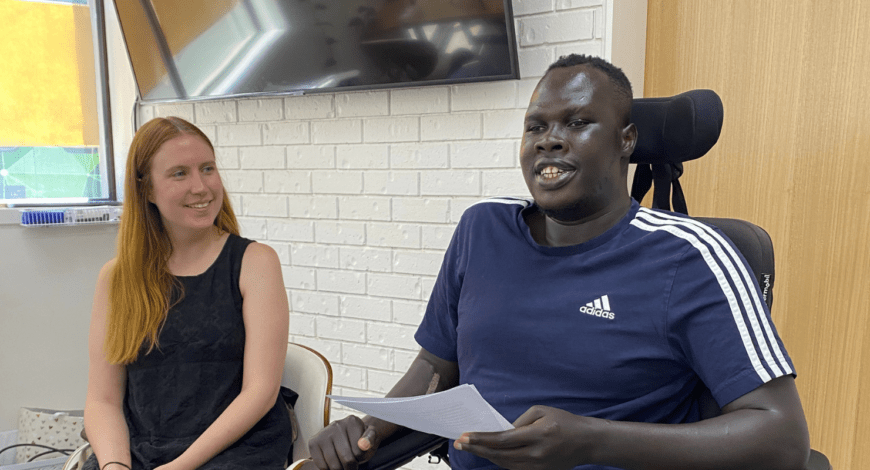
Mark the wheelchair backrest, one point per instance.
(680, 128)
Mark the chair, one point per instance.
(756, 246)
(307, 373)
(671, 130)
(682, 128)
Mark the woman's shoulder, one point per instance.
(110, 265)
(259, 255)
(261, 266)
(107, 270)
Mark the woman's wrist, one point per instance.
(115, 466)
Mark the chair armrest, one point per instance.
(818, 461)
(301, 465)
(76, 460)
(403, 447)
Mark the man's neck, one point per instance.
(548, 231)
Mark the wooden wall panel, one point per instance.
(793, 158)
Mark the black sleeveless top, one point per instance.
(177, 391)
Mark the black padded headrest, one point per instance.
(671, 131)
(676, 129)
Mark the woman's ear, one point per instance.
(146, 187)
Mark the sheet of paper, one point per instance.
(448, 414)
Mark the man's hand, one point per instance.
(344, 444)
(545, 438)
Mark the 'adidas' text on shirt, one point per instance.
(599, 307)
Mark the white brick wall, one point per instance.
(271, 109)
(360, 192)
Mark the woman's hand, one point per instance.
(344, 444)
(175, 464)
(544, 438)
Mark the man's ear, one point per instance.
(629, 139)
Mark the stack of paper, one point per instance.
(448, 414)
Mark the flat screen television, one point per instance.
(208, 49)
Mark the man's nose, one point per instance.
(550, 143)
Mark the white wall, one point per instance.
(625, 46)
(48, 278)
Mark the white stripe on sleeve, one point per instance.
(694, 232)
(708, 234)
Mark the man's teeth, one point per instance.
(198, 206)
(551, 172)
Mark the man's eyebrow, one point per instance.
(537, 115)
(578, 110)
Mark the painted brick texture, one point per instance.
(359, 192)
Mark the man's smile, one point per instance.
(551, 172)
(549, 175)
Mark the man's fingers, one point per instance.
(331, 459)
(530, 416)
(317, 457)
(335, 447)
(489, 451)
(368, 439)
(493, 440)
(346, 453)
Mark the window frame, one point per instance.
(97, 11)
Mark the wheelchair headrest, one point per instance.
(676, 129)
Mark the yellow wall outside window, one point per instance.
(47, 80)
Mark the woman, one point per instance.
(189, 324)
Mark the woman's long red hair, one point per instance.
(141, 284)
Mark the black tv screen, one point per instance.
(201, 49)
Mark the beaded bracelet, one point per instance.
(118, 463)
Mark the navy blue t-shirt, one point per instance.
(628, 326)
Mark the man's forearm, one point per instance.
(745, 439)
(764, 429)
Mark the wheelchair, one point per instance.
(671, 130)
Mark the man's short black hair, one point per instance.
(615, 74)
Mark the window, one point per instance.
(55, 141)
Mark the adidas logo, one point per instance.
(599, 307)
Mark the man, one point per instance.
(591, 323)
